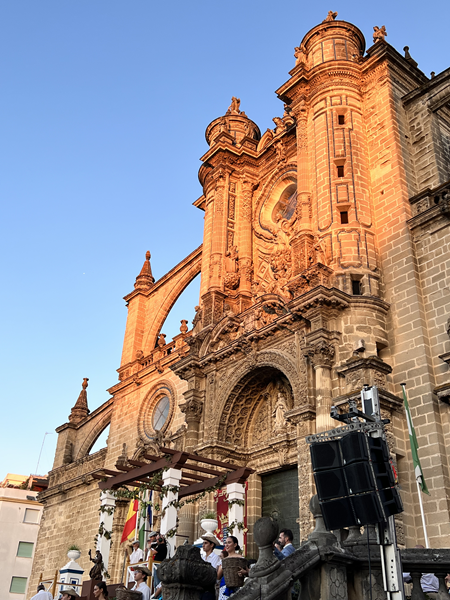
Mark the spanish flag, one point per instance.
(130, 523)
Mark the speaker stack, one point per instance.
(354, 480)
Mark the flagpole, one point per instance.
(419, 492)
(417, 466)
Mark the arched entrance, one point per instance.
(254, 421)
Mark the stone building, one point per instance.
(324, 265)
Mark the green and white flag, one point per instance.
(414, 446)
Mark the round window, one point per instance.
(161, 413)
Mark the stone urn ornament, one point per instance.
(209, 522)
(74, 553)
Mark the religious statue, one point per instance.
(330, 17)
(280, 126)
(379, 33)
(232, 260)
(234, 106)
(97, 570)
(278, 412)
(319, 251)
(300, 56)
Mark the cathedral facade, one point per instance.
(324, 266)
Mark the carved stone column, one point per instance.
(218, 240)
(245, 236)
(206, 257)
(192, 408)
(321, 355)
(303, 417)
(300, 112)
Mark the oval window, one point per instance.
(285, 207)
(161, 413)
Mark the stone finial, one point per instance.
(162, 340)
(233, 109)
(408, 57)
(331, 16)
(379, 33)
(184, 326)
(145, 278)
(80, 410)
(432, 74)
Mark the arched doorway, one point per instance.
(254, 420)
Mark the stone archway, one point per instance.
(255, 409)
(235, 380)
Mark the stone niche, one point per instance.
(356, 372)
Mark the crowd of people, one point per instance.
(235, 571)
(282, 548)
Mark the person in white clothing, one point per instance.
(42, 594)
(209, 544)
(140, 578)
(137, 555)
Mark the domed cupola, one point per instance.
(233, 126)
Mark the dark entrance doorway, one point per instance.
(280, 500)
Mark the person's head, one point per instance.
(41, 587)
(69, 594)
(100, 588)
(208, 546)
(141, 574)
(209, 542)
(286, 537)
(232, 544)
(135, 545)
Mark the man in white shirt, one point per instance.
(137, 555)
(140, 578)
(42, 594)
(209, 543)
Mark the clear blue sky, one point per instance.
(103, 109)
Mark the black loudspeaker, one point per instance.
(368, 509)
(325, 455)
(330, 484)
(354, 447)
(379, 451)
(391, 500)
(338, 513)
(359, 478)
(384, 475)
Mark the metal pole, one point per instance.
(43, 442)
(419, 491)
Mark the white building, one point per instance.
(20, 517)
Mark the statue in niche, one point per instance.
(278, 413)
(232, 260)
(321, 254)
